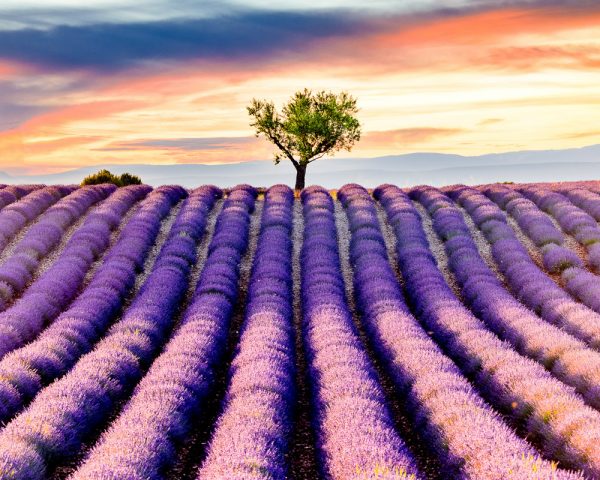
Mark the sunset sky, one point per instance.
(157, 81)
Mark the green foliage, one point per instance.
(129, 179)
(102, 176)
(105, 176)
(309, 126)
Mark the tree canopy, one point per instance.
(105, 176)
(310, 126)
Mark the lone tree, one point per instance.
(309, 127)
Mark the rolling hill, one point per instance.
(403, 170)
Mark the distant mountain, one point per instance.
(403, 170)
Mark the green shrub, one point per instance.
(129, 179)
(105, 176)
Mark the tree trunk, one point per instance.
(300, 176)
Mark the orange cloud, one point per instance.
(83, 111)
(533, 57)
(503, 38)
(20, 145)
(410, 136)
(585, 134)
(492, 26)
(6, 69)
(50, 146)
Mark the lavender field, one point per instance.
(420, 333)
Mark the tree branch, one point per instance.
(316, 157)
(283, 149)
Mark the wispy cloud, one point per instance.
(584, 134)
(188, 144)
(535, 56)
(411, 136)
(111, 46)
(489, 121)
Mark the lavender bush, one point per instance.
(141, 443)
(568, 358)
(588, 201)
(16, 215)
(120, 356)
(58, 286)
(57, 422)
(251, 435)
(18, 270)
(11, 193)
(443, 403)
(356, 436)
(547, 408)
(583, 227)
(26, 370)
(526, 280)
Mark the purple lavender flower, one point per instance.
(76, 330)
(536, 289)
(63, 414)
(509, 381)
(58, 286)
(418, 365)
(356, 437)
(160, 411)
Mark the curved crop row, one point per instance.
(589, 233)
(57, 287)
(585, 199)
(65, 413)
(578, 281)
(11, 193)
(526, 280)
(25, 371)
(566, 428)
(16, 215)
(251, 436)
(571, 218)
(538, 227)
(568, 358)
(356, 436)
(141, 443)
(462, 429)
(43, 236)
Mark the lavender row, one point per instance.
(571, 219)
(578, 281)
(64, 414)
(252, 433)
(44, 236)
(16, 215)
(526, 280)
(356, 436)
(538, 227)
(587, 234)
(568, 358)
(58, 286)
(11, 193)
(142, 442)
(567, 429)
(466, 434)
(25, 371)
(585, 199)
